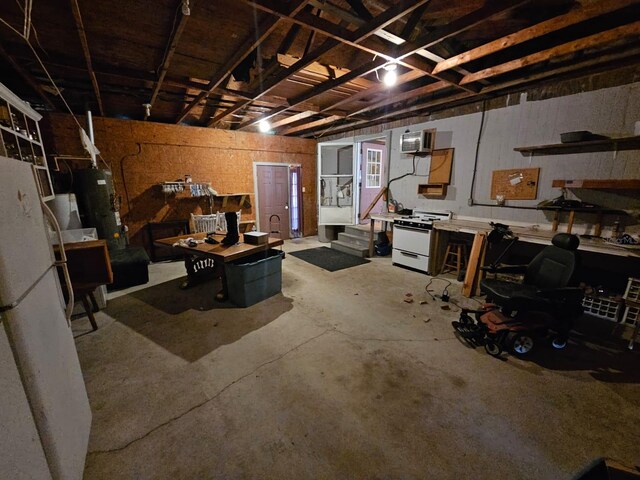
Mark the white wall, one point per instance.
(611, 111)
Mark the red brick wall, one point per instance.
(144, 154)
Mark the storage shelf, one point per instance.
(602, 145)
(630, 184)
(432, 189)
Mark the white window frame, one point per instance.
(378, 162)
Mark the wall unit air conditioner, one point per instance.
(411, 142)
(418, 142)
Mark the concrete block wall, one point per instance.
(144, 154)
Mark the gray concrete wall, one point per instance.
(609, 111)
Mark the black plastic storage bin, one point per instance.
(254, 278)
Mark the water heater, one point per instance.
(96, 199)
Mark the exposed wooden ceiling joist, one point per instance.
(77, 16)
(592, 41)
(27, 77)
(253, 40)
(554, 24)
(311, 125)
(166, 61)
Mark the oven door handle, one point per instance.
(407, 254)
(413, 229)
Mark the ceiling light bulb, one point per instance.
(264, 126)
(185, 8)
(390, 78)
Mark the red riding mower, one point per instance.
(516, 315)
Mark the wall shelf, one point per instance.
(602, 145)
(630, 184)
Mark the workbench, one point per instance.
(524, 234)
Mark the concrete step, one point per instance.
(350, 248)
(357, 230)
(355, 240)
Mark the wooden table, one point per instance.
(219, 252)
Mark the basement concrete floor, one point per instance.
(339, 378)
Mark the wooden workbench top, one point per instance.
(219, 251)
(542, 237)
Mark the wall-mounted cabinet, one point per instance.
(20, 138)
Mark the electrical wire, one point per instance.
(412, 173)
(475, 162)
(444, 292)
(59, 92)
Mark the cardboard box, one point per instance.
(256, 238)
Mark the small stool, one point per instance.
(455, 256)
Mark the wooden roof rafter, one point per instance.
(265, 28)
(388, 17)
(172, 45)
(77, 16)
(535, 31)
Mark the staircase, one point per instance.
(354, 240)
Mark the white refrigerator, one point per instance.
(44, 409)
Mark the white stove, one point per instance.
(412, 238)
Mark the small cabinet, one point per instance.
(20, 138)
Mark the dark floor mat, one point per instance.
(329, 259)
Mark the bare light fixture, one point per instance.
(390, 76)
(147, 109)
(186, 10)
(264, 126)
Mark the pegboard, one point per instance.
(502, 183)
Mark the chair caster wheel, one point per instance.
(558, 343)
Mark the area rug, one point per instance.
(329, 259)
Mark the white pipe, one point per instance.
(94, 162)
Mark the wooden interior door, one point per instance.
(273, 198)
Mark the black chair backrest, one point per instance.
(556, 265)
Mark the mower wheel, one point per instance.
(493, 349)
(520, 343)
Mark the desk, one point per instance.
(219, 252)
(381, 217)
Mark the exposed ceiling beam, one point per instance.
(310, 125)
(399, 97)
(412, 22)
(455, 27)
(381, 21)
(27, 77)
(548, 26)
(407, 77)
(256, 37)
(291, 119)
(275, 80)
(590, 66)
(75, 9)
(358, 7)
(592, 41)
(166, 62)
(317, 90)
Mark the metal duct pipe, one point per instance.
(94, 163)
